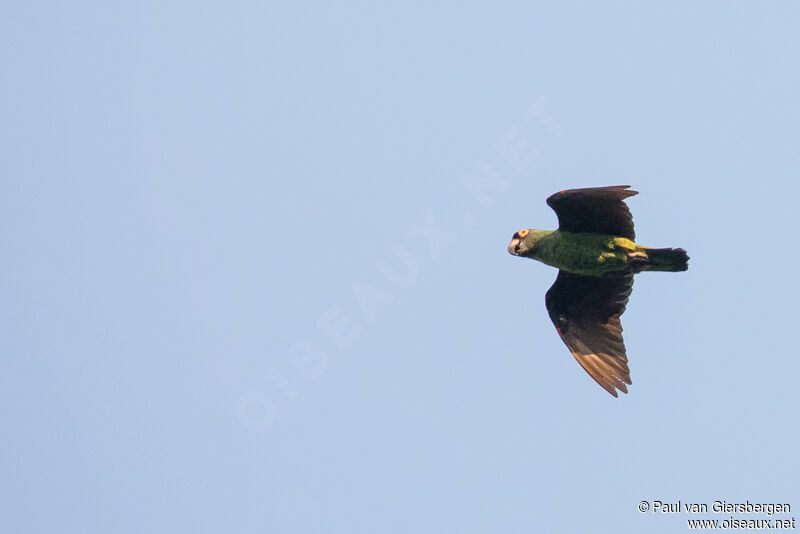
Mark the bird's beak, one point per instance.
(513, 247)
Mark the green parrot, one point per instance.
(594, 251)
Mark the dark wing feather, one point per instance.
(586, 310)
(600, 210)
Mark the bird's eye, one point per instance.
(522, 233)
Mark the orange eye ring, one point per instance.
(523, 233)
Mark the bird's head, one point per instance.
(524, 241)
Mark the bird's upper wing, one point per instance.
(600, 210)
(586, 310)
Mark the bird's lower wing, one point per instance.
(586, 312)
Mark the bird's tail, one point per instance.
(667, 259)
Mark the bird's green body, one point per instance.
(583, 253)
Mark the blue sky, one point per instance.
(249, 285)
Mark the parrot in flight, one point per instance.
(595, 253)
